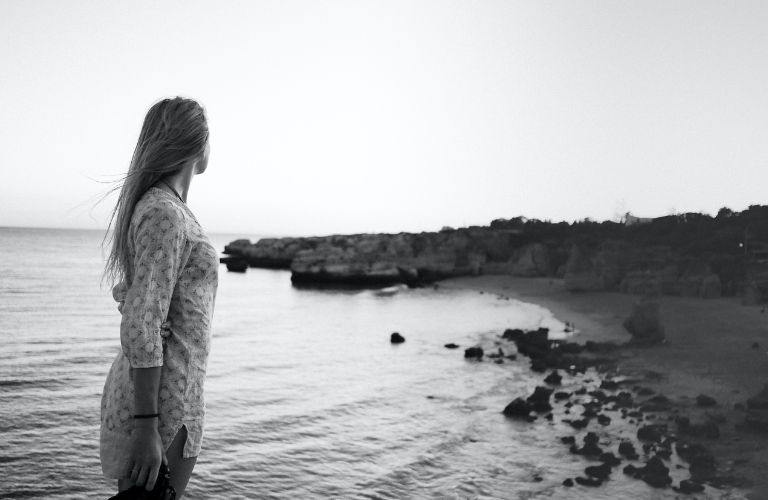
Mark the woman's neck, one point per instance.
(180, 182)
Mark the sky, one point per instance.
(333, 117)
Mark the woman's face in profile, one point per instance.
(203, 163)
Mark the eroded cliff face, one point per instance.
(589, 257)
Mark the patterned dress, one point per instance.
(167, 305)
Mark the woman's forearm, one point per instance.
(146, 382)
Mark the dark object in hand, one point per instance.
(162, 490)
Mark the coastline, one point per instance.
(709, 350)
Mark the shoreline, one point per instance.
(709, 350)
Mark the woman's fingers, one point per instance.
(143, 474)
(152, 478)
(135, 473)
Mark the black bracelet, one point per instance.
(147, 415)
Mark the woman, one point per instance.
(152, 407)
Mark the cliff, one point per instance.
(688, 255)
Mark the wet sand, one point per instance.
(710, 349)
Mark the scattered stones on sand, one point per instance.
(396, 338)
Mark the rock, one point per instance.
(589, 481)
(603, 419)
(540, 399)
(518, 408)
(654, 432)
(568, 440)
(396, 338)
(627, 450)
(590, 448)
(601, 471)
(553, 378)
(705, 401)
(654, 473)
(474, 352)
(235, 264)
(688, 486)
(644, 323)
(610, 459)
(578, 423)
(533, 343)
(700, 459)
(759, 401)
(512, 334)
(591, 438)
(451, 346)
(568, 483)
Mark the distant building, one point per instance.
(631, 220)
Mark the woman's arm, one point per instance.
(146, 446)
(159, 240)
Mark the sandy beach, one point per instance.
(716, 347)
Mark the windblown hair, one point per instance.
(175, 132)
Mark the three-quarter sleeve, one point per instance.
(159, 238)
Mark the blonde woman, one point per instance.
(166, 271)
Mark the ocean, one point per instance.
(306, 396)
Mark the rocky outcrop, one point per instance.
(531, 260)
(690, 255)
(644, 323)
(580, 275)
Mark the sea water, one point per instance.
(306, 396)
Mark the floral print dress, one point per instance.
(167, 305)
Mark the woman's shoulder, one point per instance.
(154, 205)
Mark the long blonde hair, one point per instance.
(175, 132)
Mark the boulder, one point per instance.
(396, 338)
(644, 323)
(518, 408)
(474, 352)
(540, 399)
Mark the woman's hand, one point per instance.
(146, 453)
